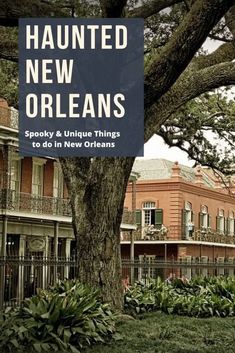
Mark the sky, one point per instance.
(156, 147)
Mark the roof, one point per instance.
(158, 169)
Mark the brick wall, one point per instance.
(26, 175)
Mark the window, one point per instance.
(220, 222)
(15, 178)
(204, 218)
(37, 179)
(15, 175)
(188, 225)
(37, 185)
(231, 223)
(149, 213)
(58, 181)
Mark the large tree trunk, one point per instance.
(97, 192)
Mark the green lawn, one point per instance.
(160, 333)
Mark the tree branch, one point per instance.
(177, 54)
(225, 52)
(221, 39)
(13, 58)
(11, 10)
(189, 87)
(151, 8)
(230, 20)
(112, 8)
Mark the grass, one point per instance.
(160, 333)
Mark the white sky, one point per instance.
(156, 147)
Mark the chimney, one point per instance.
(176, 171)
(218, 185)
(198, 176)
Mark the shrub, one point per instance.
(64, 319)
(201, 297)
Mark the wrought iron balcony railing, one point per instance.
(150, 233)
(9, 117)
(22, 202)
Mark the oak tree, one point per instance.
(181, 104)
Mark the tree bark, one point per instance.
(97, 199)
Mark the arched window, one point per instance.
(188, 206)
(204, 218)
(231, 223)
(187, 220)
(220, 222)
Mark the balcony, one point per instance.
(174, 233)
(22, 202)
(34, 204)
(9, 117)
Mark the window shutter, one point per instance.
(192, 217)
(209, 221)
(228, 226)
(217, 224)
(200, 220)
(138, 217)
(183, 222)
(158, 218)
(225, 225)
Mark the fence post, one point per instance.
(132, 256)
(21, 267)
(56, 231)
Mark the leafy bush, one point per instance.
(64, 319)
(201, 297)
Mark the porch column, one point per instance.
(3, 255)
(56, 234)
(165, 260)
(133, 198)
(132, 256)
(67, 256)
(22, 246)
(4, 236)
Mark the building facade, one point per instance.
(182, 214)
(35, 214)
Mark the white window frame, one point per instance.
(17, 160)
(231, 223)
(204, 212)
(59, 181)
(147, 207)
(38, 162)
(221, 221)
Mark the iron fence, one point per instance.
(150, 268)
(20, 277)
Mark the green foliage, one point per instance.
(204, 128)
(66, 318)
(201, 297)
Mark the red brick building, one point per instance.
(181, 213)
